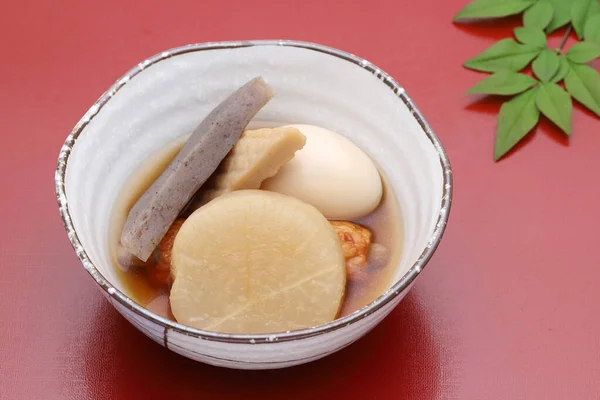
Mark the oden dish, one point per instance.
(163, 99)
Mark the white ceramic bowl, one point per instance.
(167, 95)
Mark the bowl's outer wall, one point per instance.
(257, 356)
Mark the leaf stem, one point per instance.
(564, 39)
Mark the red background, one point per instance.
(507, 309)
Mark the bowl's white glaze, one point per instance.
(167, 95)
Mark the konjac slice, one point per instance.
(253, 261)
(157, 208)
(258, 155)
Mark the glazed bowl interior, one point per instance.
(163, 99)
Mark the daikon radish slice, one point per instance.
(253, 261)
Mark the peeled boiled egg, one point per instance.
(332, 174)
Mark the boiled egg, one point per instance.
(332, 174)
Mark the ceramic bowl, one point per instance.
(165, 97)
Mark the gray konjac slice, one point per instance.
(159, 206)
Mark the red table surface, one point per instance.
(508, 308)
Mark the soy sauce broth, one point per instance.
(146, 284)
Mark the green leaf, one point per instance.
(583, 82)
(503, 55)
(479, 9)
(581, 11)
(539, 15)
(583, 52)
(563, 69)
(531, 36)
(561, 16)
(591, 31)
(546, 65)
(503, 83)
(516, 118)
(555, 104)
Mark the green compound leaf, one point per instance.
(540, 94)
(483, 9)
(503, 55)
(516, 119)
(555, 104)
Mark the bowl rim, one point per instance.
(403, 284)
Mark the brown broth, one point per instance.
(385, 224)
